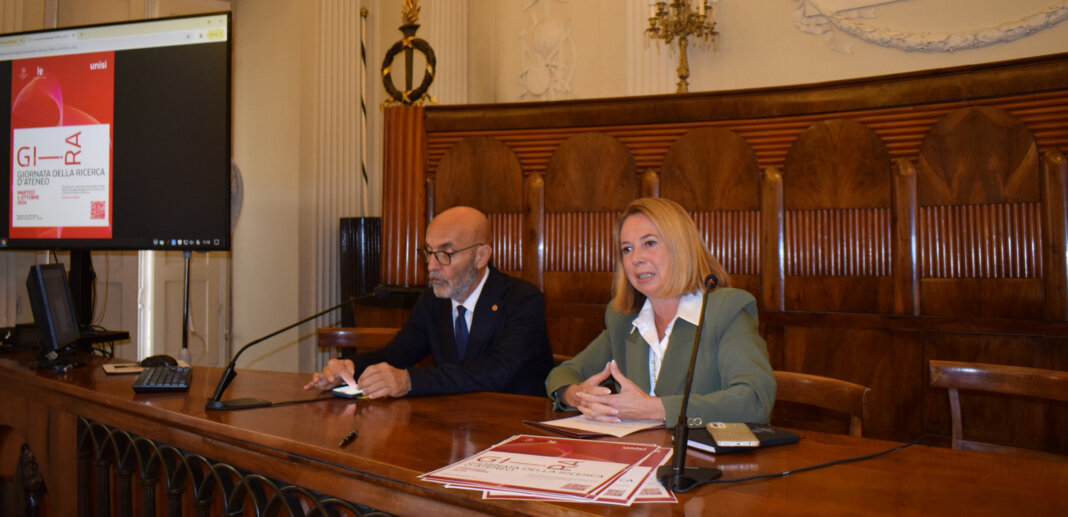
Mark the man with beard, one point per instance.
(484, 329)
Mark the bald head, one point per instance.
(461, 226)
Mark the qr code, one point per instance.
(96, 209)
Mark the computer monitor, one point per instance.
(117, 136)
(53, 312)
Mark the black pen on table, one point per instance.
(348, 438)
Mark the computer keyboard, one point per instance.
(155, 379)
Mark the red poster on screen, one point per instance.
(62, 109)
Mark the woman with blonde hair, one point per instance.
(650, 326)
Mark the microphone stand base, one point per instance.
(247, 403)
(688, 479)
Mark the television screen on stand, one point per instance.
(118, 138)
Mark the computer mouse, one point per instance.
(159, 360)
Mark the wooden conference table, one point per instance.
(400, 439)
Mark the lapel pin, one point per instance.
(494, 308)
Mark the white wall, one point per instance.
(268, 66)
(758, 44)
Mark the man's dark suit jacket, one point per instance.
(507, 349)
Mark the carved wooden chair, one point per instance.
(1010, 380)
(824, 392)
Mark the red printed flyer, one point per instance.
(637, 485)
(545, 465)
(62, 109)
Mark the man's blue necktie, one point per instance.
(461, 331)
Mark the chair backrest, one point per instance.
(825, 392)
(994, 378)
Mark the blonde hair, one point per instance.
(691, 260)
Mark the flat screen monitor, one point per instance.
(53, 312)
(118, 136)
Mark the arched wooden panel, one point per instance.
(980, 220)
(711, 169)
(590, 172)
(976, 156)
(481, 172)
(837, 164)
(484, 173)
(714, 174)
(590, 179)
(978, 187)
(836, 193)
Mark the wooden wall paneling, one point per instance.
(403, 195)
(714, 175)
(483, 173)
(711, 169)
(1057, 349)
(431, 194)
(771, 244)
(978, 187)
(579, 241)
(480, 172)
(534, 233)
(846, 294)
(734, 238)
(391, 317)
(979, 268)
(590, 178)
(885, 360)
(907, 92)
(649, 184)
(978, 155)
(749, 283)
(571, 326)
(983, 298)
(837, 164)
(1055, 229)
(996, 418)
(773, 337)
(836, 193)
(590, 172)
(507, 235)
(770, 132)
(905, 245)
(53, 456)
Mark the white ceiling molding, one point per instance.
(815, 17)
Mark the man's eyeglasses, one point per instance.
(444, 257)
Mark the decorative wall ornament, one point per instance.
(547, 56)
(813, 16)
(407, 45)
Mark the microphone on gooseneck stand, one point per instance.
(229, 374)
(676, 477)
